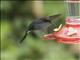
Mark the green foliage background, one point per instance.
(13, 28)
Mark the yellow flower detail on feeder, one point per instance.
(57, 29)
(71, 31)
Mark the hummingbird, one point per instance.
(39, 24)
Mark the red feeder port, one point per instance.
(70, 33)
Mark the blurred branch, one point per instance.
(37, 8)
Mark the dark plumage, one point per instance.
(40, 23)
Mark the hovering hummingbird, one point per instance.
(40, 23)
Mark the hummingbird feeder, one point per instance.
(70, 32)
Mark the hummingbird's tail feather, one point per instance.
(24, 36)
